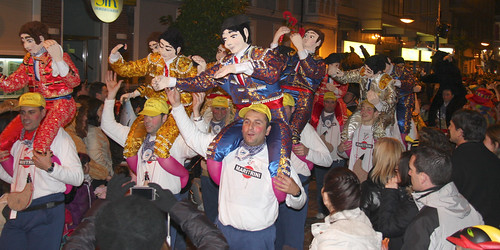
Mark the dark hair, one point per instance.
(131, 222)
(343, 189)
(84, 158)
(174, 37)
(81, 126)
(434, 137)
(376, 63)
(321, 36)
(334, 58)
(96, 87)
(472, 124)
(238, 24)
(404, 167)
(398, 60)
(433, 162)
(354, 88)
(35, 29)
(154, 36)
(92, 117)
(493, 133)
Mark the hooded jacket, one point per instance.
(348, 229)
(442, 212)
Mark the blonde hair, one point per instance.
(386, 156)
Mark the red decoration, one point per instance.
(291, 23)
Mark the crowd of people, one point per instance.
(220, 155)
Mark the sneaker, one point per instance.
(320, 216)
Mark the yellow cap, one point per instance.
(154, 106)
(261, 108)
(329, 95)
(31, 99)
(288, 100)
(220, 101)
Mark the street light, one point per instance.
(407, 20)
(485, 44)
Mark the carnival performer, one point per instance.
(377, 88)
(250, 76)
(167, 62)
(301, 75)
(48, 71)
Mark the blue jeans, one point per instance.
(319, 173)
(37, 229)
(249, 240)
(210, 195)
(291, 223)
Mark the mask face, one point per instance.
(233, 41)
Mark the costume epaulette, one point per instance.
(26, 58)
(155, 58)
(182, 65)
(316, 57)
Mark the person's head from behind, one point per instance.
(341, 190)
(403, 169)
(94, 112)
(288, 105)
(434, 137)
(98, 90)
(368, 113)
(131, 222)
(256, 124)
(32, 110)
(492, 139)
(33, 34)
(429, 167)
(85, 160)
(467, 126)
(386, 155)
(235, 33)
(155, 113)
(219, 108)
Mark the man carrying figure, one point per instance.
(38, 224)
(48, 71)
(250, 76)
(248, 207)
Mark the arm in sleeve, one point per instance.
(136, 68)
(200, 83)
(70, 170)
(266, 65)
(388, 98)
(4, 176)
(395, 214)
(67, 70)
(296, 202)
(95, 148)
(349, 76)
(418, 233)
(194, 138)
(110, 127)
(313, 68)
(16, 80)
(197, 227)
(318, 152)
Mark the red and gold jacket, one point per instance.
(49, 86)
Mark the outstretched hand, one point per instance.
(280, 32)
(224, 71)
(112, 85)
(198, 99)
(118, 47)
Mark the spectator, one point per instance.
(98, 90)
(475, 168)
(492, 139)
(442, 209)
(346, 227)
(434, 137)
(96, 141)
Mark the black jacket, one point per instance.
(389, 210)
(476, 173)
